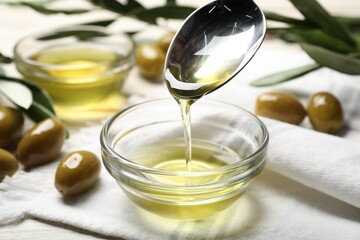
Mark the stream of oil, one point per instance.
(188, 88)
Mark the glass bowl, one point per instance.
(81, 67)
(143, 149)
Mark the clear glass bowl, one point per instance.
(81, 67)
(143, 149)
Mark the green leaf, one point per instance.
(167, 12)
(115, 6)
(5, 59)
(357, 39)
(291, 21)
(284, 76)
(83, 34)
(38, 112)
(353, 23)
(350, 21)
(170, 2)
(101, 23)
(37, 2)
(314, 12)
(17, 93)
(312, 36)
(41, 105)
(105, 23)
(339, 62)
(39, 96)
(47, 11)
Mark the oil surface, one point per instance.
(200, 76)
(81, 79)
(179, 202)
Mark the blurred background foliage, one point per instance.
(331, 41)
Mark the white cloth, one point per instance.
(326, 163)
(272, 208)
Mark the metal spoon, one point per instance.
(213, 45)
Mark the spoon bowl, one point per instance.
(215, 42)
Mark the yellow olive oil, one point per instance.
(191, 76)
(84, 80)
(170, 155)
(179, 201)
(185, 83)
(186, 120)
(183, 210)
(189, 91)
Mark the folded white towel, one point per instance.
(326, 163)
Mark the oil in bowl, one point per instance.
(143, 149)
(83, 68)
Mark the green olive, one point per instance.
(280, 106)
(164, 41)
(41, 143)
(8, 164)
(150, 60)
(325, 113)
(11, 125)
(77, 172)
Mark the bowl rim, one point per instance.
(105, 145)
(126, 62)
